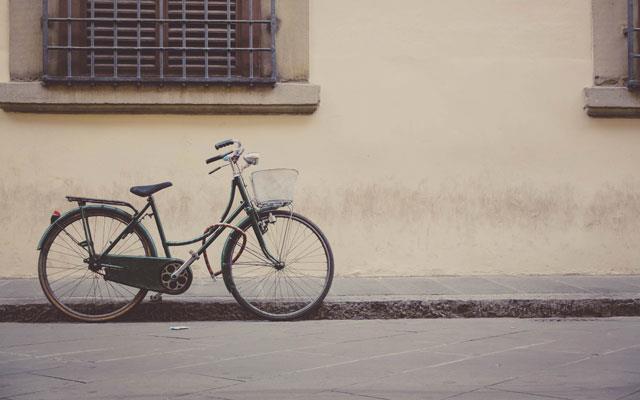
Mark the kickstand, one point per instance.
(156, 298)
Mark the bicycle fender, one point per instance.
(74, 211)
(226, 246)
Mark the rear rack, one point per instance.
(84, 200)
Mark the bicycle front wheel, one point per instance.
(290, 290)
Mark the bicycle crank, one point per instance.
(178, 285)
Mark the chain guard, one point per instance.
(148, 273)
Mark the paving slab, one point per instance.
(471, 359)
(587, 380)
(538, 284)
(473, 285)
(601, 284)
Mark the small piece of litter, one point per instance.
(179, 328)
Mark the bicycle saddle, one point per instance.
(148, 190)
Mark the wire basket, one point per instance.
(274, 187)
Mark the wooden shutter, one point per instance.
(250, 35)
(192, 63)
(166, 27)
(104, 34)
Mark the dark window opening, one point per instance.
(159, 41)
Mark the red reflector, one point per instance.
(55, 216)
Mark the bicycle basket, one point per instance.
(274, 187)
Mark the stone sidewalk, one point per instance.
(385, 297)
(461, 359)
(22, 291)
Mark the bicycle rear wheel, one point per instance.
(288, 291)
(66, 279)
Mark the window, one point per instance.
(159, 41)
(616, 68)
(172, 78)
(633, 36)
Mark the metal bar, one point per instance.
(125, 231)
(230, 203)
(222, 220)
(45, 37)
(253, 214)
(159, 48)
(139, 41)
(206, 39)
(87, 232)
(156, 216)
(630, 41)
(250, 39)
(273, 26)
(184, 39)
(137, 51)
(101, 201)
(161, 35)
(69, 43)
(219, 230)
(229, 38)
(115, 38)
(187, 242)
(93, 38)
(177, 80)
(188, 20)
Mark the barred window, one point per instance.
(159, 41)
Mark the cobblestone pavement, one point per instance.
(465, 359)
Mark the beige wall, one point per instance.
(450, 139)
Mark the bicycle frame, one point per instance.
(209, 237)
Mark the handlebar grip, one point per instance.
(224, 143)
(218, 157)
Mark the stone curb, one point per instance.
(230, 311)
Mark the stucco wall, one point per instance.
(450, 139)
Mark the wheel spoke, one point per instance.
(301, 283)
(67, 279)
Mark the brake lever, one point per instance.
(217, 169)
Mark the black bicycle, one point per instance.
(98, 261)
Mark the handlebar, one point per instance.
(225, 143)
(218, 157)
(231, 156)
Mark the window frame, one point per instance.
(248, 55)
(633, 39)
(609, 96)
(292, 93)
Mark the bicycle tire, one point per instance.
(121, 298)
(268, 307)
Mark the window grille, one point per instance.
(159, 41)
(633, 42)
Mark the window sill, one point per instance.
(284, 98)
(611, 102)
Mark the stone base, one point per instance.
(230, 311)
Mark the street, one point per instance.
(465, 359)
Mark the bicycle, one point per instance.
(98, 261)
